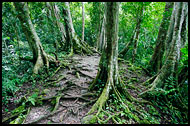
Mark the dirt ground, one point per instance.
(75, 80)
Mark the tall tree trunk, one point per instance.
(83, 21)
(156, 61)
(108, 64)
(104, 38)
(54, 13)
(182, 38)
(39, 56)
(73, 43)
(168, 69)
(139, 20)
(100, 39)
(108, 72)
(101, 33)
(183, 74)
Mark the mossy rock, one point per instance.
(90, 119)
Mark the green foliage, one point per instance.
(32, 98)
(12, 73)
(166, 99)
(16, 72)
(150, 24)
(184, 57)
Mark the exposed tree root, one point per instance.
(12, 116)
(62, 96)
(57, 103)
(152, 86)
(26, 115)
(57, 80)
(45, 116)
(77, 70)
(109, 117)
(88, 94)
(102, 100)
(63, 64)
(150, 80)
(18, 120)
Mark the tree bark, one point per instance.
(54, 13)
(156, 61)
(108, 72)
(100, 39)
(183, 74)
(83, 21)
(39, 55)
(101, 33)
(73, 43)
(139, 20)
(169, 67)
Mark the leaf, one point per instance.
(33, 103)
(35, 95)
(122, 114)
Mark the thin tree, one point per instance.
(73, 42)
(135, 35)
(100, 42)
(139, 20)
(40, 57)
(156, 61)
(83, 21)
(54, 16)
(101, 36)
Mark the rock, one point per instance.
(90, 119)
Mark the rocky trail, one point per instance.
(68, 87)
(73, 86)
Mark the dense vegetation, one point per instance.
(142, 46)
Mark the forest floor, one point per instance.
(72, 83)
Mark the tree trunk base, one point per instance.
(93, 114)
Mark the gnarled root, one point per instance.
(93, 114)
(41, 60)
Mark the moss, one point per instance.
(144, 121)
(19, 109)
(134, 79)
(90, 119)
(18, 120)
(77, 74)
(45, 91)
(129, 81)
